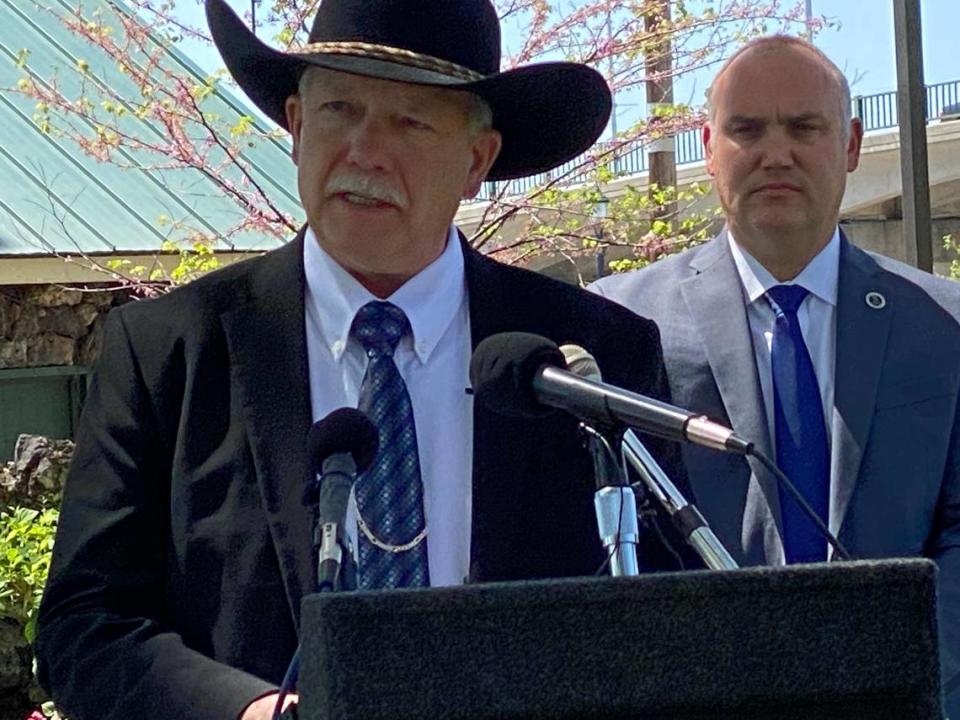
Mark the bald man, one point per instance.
(841, 364)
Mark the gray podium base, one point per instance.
(844, 640)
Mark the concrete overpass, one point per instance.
(871, 210)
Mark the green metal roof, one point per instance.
(55, 198)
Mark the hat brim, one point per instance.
(546, 113)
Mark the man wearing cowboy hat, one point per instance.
(185, 541)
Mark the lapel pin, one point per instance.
(876, 300)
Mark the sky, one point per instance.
(861, 44)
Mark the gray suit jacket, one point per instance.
(895, 435)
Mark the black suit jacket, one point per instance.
(184, 543)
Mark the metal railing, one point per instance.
(876, 112)
(879, 112)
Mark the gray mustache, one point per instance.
(366, 186)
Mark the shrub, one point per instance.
(26, 541)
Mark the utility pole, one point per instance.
(613, 106)
(661, 153)
(912, 118)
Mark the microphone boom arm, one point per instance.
(685, 516)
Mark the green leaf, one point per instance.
(28, 535)
(242, 126)
(30, 629)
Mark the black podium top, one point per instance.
(840, 640)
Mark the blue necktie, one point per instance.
(801, 434)
(392, 532)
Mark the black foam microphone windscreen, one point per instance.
(502, 371)
(346, 430)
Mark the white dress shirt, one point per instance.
(434, 362)
(817, 317)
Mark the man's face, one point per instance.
(776, 150)
(382, 167)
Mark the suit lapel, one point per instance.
(714, 297)
(268, 356)
(861, 340)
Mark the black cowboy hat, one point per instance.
(547, 113)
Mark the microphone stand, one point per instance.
(336, 572)
(686, 518)
(615, 505)
(336, 568)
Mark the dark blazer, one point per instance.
(184, 543)
(895, 435)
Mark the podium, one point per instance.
(839, 640)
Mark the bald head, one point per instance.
(758, 49)
(779, 145)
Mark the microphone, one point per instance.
(523, 375)
(614, 502)
(582, 363)
(340, 446)
(688, 521)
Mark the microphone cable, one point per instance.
(647, 514)
(651, 519)
(289, 682)
(588, 434)
(788, 485)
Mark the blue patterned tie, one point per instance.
(390, 493)
(801, 434)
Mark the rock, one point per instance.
(106, 298)
(19, 691)
(9, 315)
(28, 323)
(47, 350)
(89, 349)
(14, 705)
(38, 470)
(13, 354)
(14, 656)
(71, 322)
(55, 295)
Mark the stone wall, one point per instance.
(50, 325)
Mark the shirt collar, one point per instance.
(819, 277)
(430, 299)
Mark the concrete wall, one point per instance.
(885, 237)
